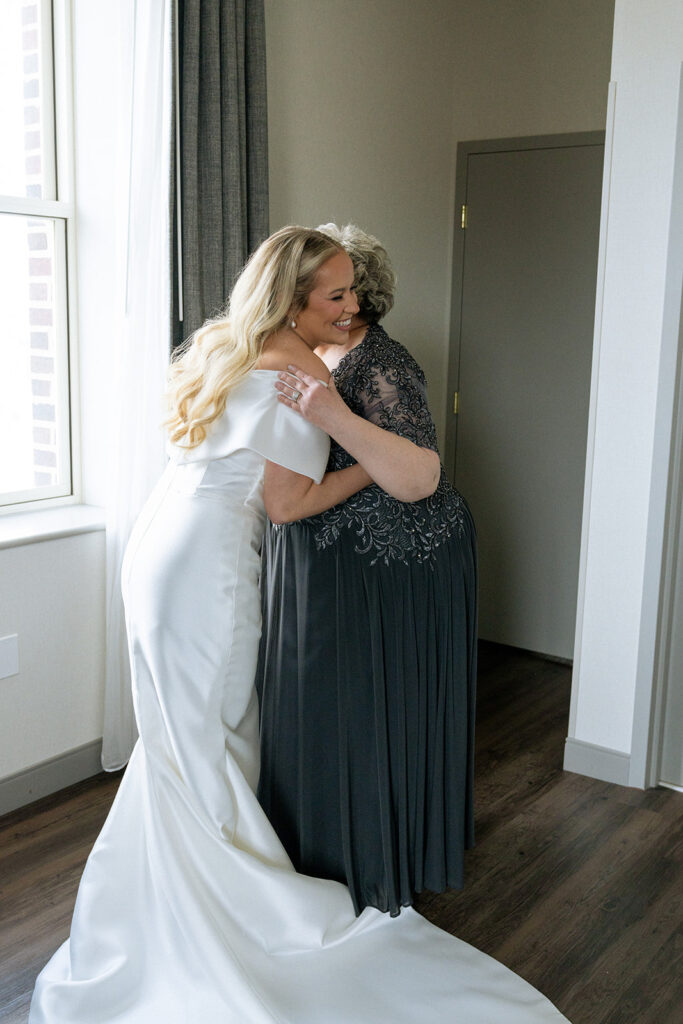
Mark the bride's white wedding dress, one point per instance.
(189, 911)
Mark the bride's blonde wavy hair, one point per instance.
(274, 286)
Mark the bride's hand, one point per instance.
(316, 401)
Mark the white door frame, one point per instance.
(648, 727)
(665, 493)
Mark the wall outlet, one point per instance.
(9, 656)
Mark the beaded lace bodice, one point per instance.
(380, 381)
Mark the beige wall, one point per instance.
(531, 67)
(369, 98)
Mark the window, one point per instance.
(35, 237)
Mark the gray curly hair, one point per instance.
(374, 275)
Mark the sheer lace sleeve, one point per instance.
(390, 390)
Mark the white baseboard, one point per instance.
(596, 762)
(50, 776)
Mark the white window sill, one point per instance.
(49, 524)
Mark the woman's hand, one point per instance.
(289, 496)
(318, 402)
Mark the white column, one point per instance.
(632, 394)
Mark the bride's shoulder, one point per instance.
(279, 353)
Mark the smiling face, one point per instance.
(327, 316)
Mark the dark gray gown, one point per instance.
(367, 666)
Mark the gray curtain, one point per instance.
(223, 161)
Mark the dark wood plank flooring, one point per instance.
(574, 884)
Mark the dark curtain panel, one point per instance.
(223, 168)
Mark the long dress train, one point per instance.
(189, 910)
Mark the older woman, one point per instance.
(367, 664)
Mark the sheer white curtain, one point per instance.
(135, 450)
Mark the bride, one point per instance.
(189, 911)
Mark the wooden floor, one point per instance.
(574, 884)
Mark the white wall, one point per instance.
(366, 105)
(641, 261)
(52, 596)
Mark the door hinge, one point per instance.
(456, 402)
(463, 216)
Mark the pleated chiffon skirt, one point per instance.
(367, 687)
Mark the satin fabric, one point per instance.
(189, 909)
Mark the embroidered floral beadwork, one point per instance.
(381, 381)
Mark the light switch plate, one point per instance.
(9, 656)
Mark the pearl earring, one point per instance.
(293, 325)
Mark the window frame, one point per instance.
(58, 91)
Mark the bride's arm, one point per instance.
(289, 496)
